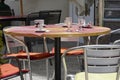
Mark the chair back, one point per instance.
(98, 59)
(13, 46)
(102, 59)
(50, 16)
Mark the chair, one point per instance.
(9, 71)
(49, 16)
(25, 55)
(100, 38)
(101, 62)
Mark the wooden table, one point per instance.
(56, 32)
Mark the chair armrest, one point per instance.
(117, 41)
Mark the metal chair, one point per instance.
(101, 62)
(99, 39)
(25, 55)
(9, 71)
(49, 16)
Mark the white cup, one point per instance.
(39, 23)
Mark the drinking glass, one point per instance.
(90, 24)
(68, 22)
(81, 23)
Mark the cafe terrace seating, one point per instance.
(101, 62)
(9, 71)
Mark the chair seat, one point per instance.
(95, 76)
(73, 52)
(8, 70)
(33, 55)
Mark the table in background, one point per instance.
(12, 18)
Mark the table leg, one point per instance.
(57, 58)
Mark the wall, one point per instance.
(37, 5)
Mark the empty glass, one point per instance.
(81, 23)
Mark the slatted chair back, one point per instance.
(98, 59)
(102, 59)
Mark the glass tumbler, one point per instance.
(81, 23)
(68, 22)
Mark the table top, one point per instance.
(55, 31)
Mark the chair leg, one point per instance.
(50, 61)
(24, 66)
(80, 62)
(30, 72)
(53, 76)
(47, 69)
(30, 69)
(70, 77)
